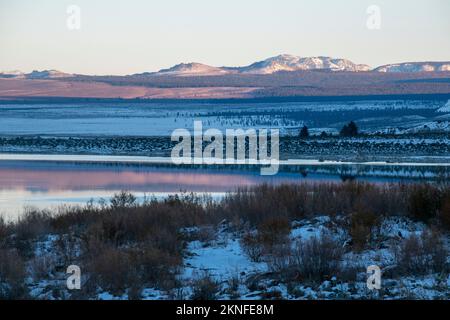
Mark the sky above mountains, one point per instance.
(124, 37)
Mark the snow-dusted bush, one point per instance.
(422, 254)
(251, 246)
(314, 259)
(317, 258)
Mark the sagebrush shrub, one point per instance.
(317, 258)
(363, 226)
(422, 254)
(252, 246)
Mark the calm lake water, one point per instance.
(45, 184)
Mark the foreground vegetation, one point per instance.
(124, 247)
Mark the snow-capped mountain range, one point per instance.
(287, 62)
(415, 67)
(284, 62)
(193, 69)
(44, 74)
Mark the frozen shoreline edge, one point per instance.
(167, 160)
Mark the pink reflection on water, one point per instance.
(155, 180)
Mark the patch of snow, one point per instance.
(223, 259)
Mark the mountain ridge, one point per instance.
(279, 63)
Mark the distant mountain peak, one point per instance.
(288, 62)
(427, 66)
(12, 74)
(47, 74)
(192, 68)
(280, 63)
(35, 74)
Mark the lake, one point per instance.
(45, 181)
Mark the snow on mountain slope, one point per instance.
(44, 74)
(445, 108)
(434, 126)
(192, 69)
(283, 62)
(415, 67)
(47, 74)
(12, 74)
(287, 62)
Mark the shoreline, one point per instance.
(193, 161)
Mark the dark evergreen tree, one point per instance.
(349, 130)
(304, 132)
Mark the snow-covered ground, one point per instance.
(222, 258)
(160, 119)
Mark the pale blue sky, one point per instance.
(123, 37)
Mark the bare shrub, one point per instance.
(444, 214)
(273, 232)
(424, 202)
(271, 235)
(12, 275)
(363, 224)
(3, 232)
(111, 270)
(205, 287)
(252, 247)
(41, 266)
(32, 224)
(260, 203)
(279, 259)
(233, 284)
(317, 258)
(422, 254)
(155, 267)
(123, 199)
(67, 248)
